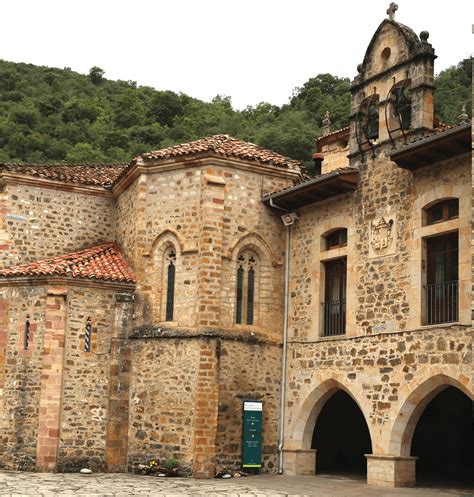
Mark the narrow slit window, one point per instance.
(88, 336)
(26, 342)
(170, 283)
(240, 290)
(250, 295)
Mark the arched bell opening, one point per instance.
(398, 110)
(341, 437)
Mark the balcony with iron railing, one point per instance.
(442, 302)
(334, 316)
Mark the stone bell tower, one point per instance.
(392, 94)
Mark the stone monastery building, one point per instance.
(141, 303)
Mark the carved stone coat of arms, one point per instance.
(382, 236)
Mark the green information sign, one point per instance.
(252, 434)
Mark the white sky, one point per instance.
(251, 50)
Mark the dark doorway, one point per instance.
(443, 439)
(341, 437)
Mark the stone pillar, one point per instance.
(391, 471)
(51, 380)
(3, 350)
(206, 410)
(210, 250)
(119, 387)
(298, 462)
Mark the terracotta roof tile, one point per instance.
(102, 262)
(86, 174)
(341, 131)
(224, 145)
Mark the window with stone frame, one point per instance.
(443, 210)
(169, 279)
(442, 278)
(336, 239)
(247, 267)
(334, 305)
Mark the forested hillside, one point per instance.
(59, 115)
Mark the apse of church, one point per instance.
(142, 303)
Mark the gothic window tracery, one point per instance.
(247, 266)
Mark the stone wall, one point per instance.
(19, 403)
(162, 400)
(86, 380)
(55, 397)
(248, 371)
(178, 208)
(385, 290)
(186, 400)
(45, 222)
(388, 375)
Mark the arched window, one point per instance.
(246, 281)
(336, 239)
(170, 275)
(444, 210)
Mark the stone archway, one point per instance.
(403, 428)
(396, 467)
(299, 457)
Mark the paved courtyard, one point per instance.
(15, 484)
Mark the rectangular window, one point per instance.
(442, 279)
(334, 305)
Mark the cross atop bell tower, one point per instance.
(392, 8)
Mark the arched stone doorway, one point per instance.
(443, 439)
(341, 437)
(299, 456)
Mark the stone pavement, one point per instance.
(16, 484)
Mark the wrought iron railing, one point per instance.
(442, 302)
(334, 313)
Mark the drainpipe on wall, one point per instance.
(288, 219)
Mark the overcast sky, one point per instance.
(251, 50)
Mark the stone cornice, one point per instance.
(210, 160)
(23, 179)
(150, 167)
(166, 331)
(61, 280)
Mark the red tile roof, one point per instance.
(102, 262)
(86, 174)
(226, 146)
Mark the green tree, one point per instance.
(96, 75)
(84, 152)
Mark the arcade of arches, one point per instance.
(430, 440)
